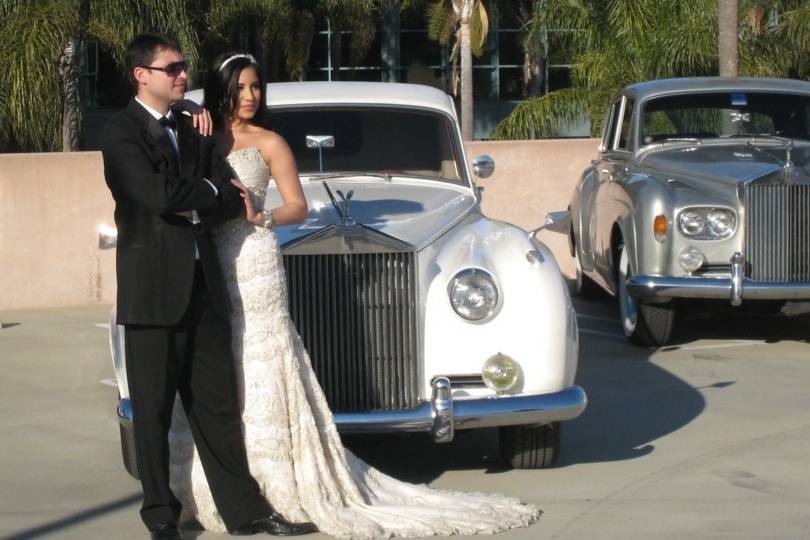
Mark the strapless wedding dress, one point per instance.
(293, 447)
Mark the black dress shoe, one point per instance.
(276, 525)
(165, 531)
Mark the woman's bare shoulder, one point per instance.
(271, 143)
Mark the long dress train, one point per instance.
(292, 444)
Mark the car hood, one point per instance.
(730, 164)
(414, 211)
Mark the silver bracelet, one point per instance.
(269, 223)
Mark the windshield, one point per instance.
(726, 114)
(373, 140)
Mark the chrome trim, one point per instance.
(736, 279)
(124, 412)
(715, 288)
(535, 409)
(442, 401)
(442, 415)
(356, 314)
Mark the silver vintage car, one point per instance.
(701, 190)
(419, 313)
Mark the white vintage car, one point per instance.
(419, 313)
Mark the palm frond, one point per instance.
(34, 38)
(545, 116)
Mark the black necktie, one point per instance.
(170, 123)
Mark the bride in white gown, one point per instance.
(293, 447)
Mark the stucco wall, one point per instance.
(51, 207)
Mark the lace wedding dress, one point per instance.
(293, 447)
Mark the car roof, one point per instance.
(290, 94)
(660, 87)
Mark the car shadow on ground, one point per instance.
(739, 325)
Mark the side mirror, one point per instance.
(558, 222)
(483, 166)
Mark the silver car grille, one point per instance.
(357, 316)
(777, 232)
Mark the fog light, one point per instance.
(500, 372)
(691, 258)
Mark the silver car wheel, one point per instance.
(627, 305)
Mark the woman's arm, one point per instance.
(279, 158)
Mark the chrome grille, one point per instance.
(777, 232)
(356, 314)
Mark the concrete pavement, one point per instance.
(704, 439)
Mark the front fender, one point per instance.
(638, 202)
(535, 323)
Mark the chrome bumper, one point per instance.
(442, 415)
(734, 289)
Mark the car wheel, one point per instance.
(128, 451)
(530, 447)
(644, 324)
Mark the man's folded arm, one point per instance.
(129, 171)
(231, 205)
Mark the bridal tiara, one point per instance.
(235, 56)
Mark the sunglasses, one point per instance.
(172, 70)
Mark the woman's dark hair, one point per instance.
(222, 88)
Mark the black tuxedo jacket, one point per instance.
(155, 256)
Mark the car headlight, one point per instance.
(500, 372)
(707, 223)
(720, 223)
(473, 294)
(691, 223)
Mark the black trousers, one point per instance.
(194, 359)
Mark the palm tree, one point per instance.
(40, 104)
(727, 38)
(617, 42)
(468, 23)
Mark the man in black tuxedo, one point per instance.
(169, 184)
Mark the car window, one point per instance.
(625, 135)
(726, 114)
(379, 140)
(610, 130)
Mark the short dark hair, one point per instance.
(222, 89)
(142, 50)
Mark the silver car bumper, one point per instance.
(734, 289)
(442, 415)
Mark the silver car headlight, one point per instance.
(707, 223)
(720, 223)
(473, 294)
(691, 223)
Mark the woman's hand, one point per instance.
(200, 116)
(257, 218)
